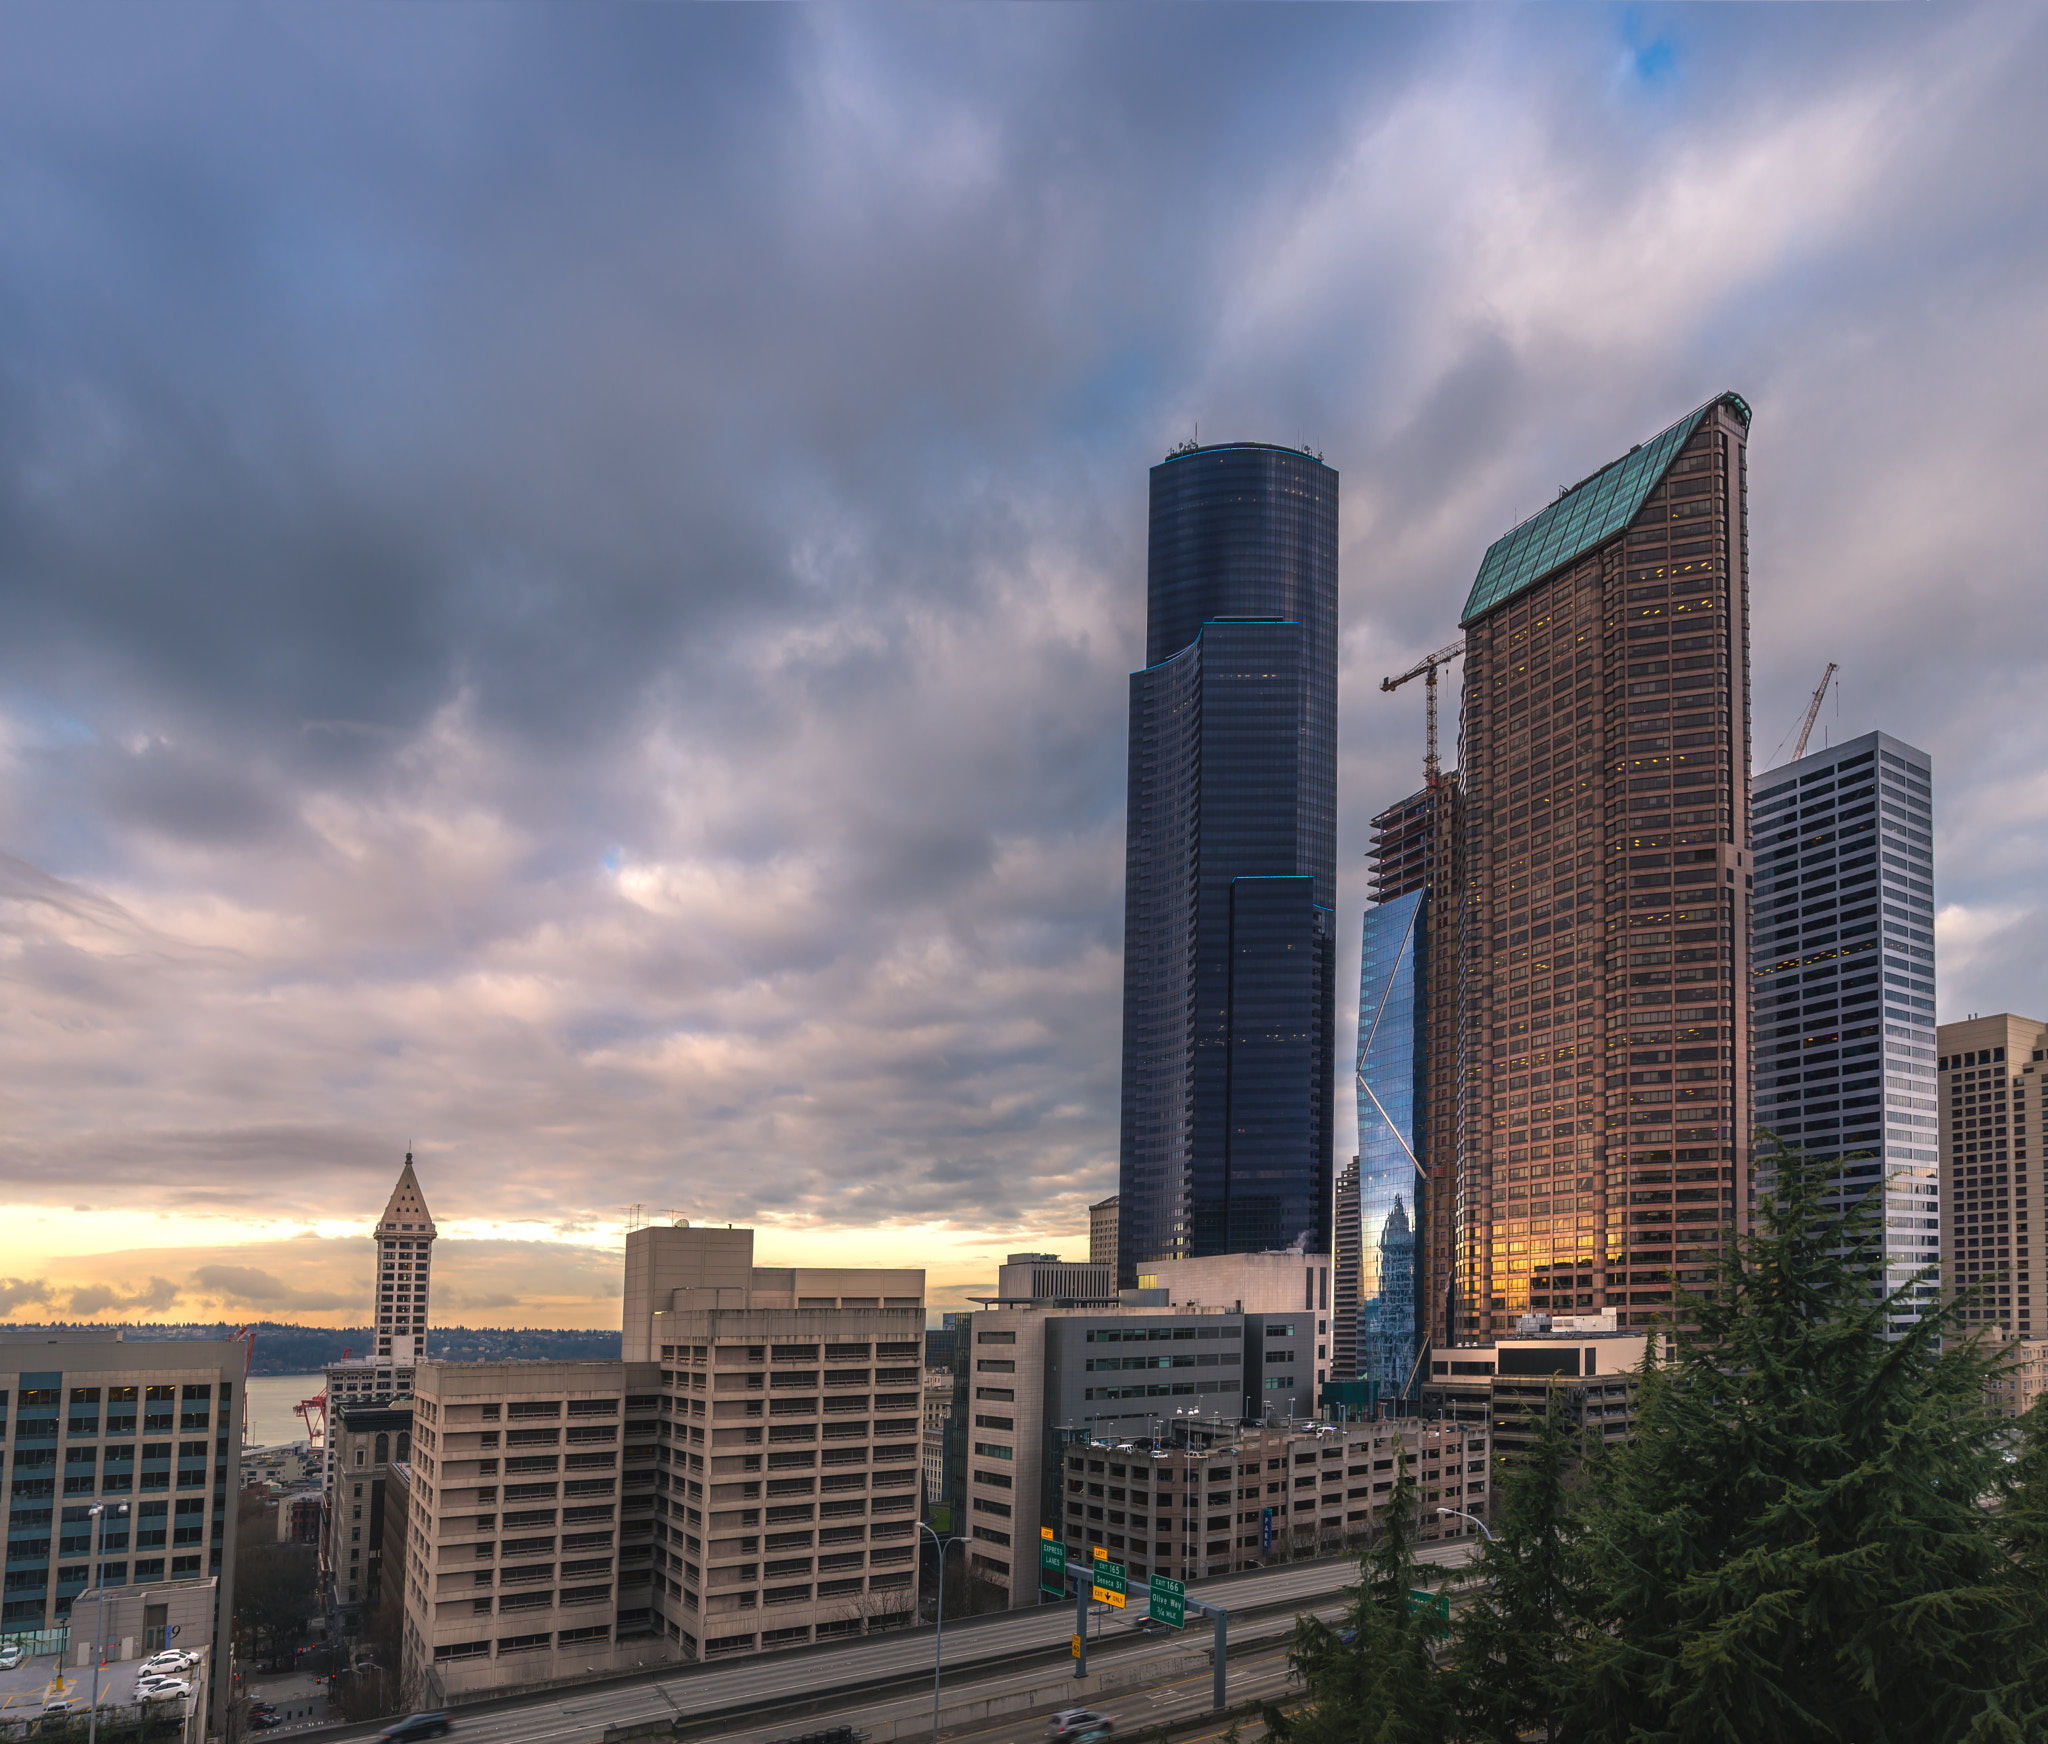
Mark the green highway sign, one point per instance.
(1109, 1588)
(1170, 1601)
(1436, 1605)
(1052, 1567)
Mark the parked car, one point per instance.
(416, 1726)
(60, 1706)
(265, 1720)
(163, 1690)
(1073, 1724)
(11, 1656)
(171, 1659)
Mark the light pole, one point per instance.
(939, 1635)
(99, 1613)
(1474, 1518)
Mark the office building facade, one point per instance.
(525, 1542)
(1344, 1276)
(1238, 1497)
(1044, 1277)
(1842, 959)
(1102, 1234)
(746, 1477)
(1292, 1292)
(1229, 988)
(364, 1442)
(1601, 1049)
(1994, 1139)
(1032, 1379)
(1592, 1369)
(1407, 1007)
(93, 1418)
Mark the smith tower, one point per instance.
(405, 1242)
(1229, 974)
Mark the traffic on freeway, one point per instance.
(759, 1684)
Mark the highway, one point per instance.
(748, 1691)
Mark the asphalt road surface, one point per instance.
(749, 1690)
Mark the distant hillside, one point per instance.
(283, 1349)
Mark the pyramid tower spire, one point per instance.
(404, 1239)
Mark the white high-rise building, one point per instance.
(402, 1257)
(405, 1243)
(1842, 958)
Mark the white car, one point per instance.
(171, 1659)
(162, 1689)
(10, 1656)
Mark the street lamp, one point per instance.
(1474, 1518)
(99, 1612)
(939, 1636)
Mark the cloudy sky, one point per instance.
(567, 574)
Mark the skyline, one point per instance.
(567, 585)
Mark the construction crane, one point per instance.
(1425, 669)
(1820, 692)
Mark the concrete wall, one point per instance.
(665, 1258)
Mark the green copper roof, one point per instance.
(1588, 514)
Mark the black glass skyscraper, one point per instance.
(1230, 875)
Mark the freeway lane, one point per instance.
(764, 1681)
(1167, 1680)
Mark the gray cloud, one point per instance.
(22, 1293)
(566, 588)
(154, 1296)
(248, 1287)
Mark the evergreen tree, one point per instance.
(1797, 1545)
(1516, 1636)
(2019, 1710)
(1377, 1681)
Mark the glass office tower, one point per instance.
(1230, 870)
(1842, 943)
(1391, 1067)
(1407, 1131)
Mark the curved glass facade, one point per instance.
(1392, 1061)
(1229, 976)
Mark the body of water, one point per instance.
(271, 1398)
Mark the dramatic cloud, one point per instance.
(252, 1287)
(92, 1299)
(567, 578)
(22, 1293)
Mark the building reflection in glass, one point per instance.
(1390, 1110)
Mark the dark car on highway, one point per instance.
(415, 1726)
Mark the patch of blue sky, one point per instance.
(1653, 51)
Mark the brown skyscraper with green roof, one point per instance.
(1601, 1051)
